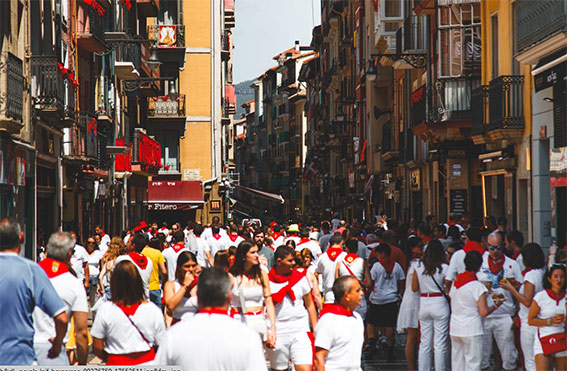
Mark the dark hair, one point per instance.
(341, 286)
(257, 231)
(335, 239)
(533, 256)
(410, 243)
(154, 243)
(9, 234)
(473, 261)
(549, 272)
(221, 260)
(502, 220)
(429, 217)
(389, 237)
(183, 258)
(126, 285)
(516, 236)
(233, 228)
(490, 220)
(474, 234)
(384, 248)
(304, 232)
(457, 245)
(441, 228)
(454, 233)
(161, 239)
(215, 220)
(434, 257)
(283, 252)
(424, 229)
(197, 229)
(326, 225)
(352, 246)
(290, 243)
(237, 268)
(178, 236)
(213, 288)
(139, 241)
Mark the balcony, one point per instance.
(12, 90)
(230, 99)
(453, 98)
(505, 109)
(170, 42)
(90, 29)
(48, 89)
(128, 61)
(146, 152)
(226, 46)
(166, 108)
(539, 20)
(80, 143)
(411, 43)
(479, 103)
(105, 111)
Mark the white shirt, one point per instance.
(120, 335)
(465, 317)
(326, 267)
(311, 245)
(104, 242)
(460, 227)
(426, 284)
(510, 269)
(535, 277)
(94, 263)
(356, 266)
(78, 259)
(279, 241)
(520, 261)
(219, 343)
(216, 245)
(71, 290)
(170, 257)
(228, 241)
(202, 248)
(291, 316)
(187, 307)
(343, 337)
(385, 285)
(315, 235)
(457, 264)
(362, 250)
(548, 308)
(126, 238)
(145, 273)
(295, 239)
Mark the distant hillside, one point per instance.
(244, 93)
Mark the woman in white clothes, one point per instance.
(547, 313)
(534, 261)
(95, 256)
(304, 260)
(408, 316)
(126, 329)
(434, 310)
(468, 307)
(180, 296)
(251, 295)
(353, 265)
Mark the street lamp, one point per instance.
(172, 91)
(371, 72)
(153, 61)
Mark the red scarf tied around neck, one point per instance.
(474, 246)
(53, 268)
(388, 264)
(334, 252)
(303, 240)
(552, 295)
(139, 259)
(291, 280)
(178, 247)
(496, 266)
(233, 236)
(335, 309)
(350, 258)
(464, 278)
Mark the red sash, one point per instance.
(139, 259)
(348, 260)
(178, 247)
(473, 246)
(131, 358)
(276, 235)
(291, 280)
(53, 268)
(334, 252)
(214, 311)
(335, 309)
(464, 278)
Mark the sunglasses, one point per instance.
(91, 242)
(499, 247)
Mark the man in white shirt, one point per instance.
(326, 266)
(339, 334)
(203, 254)
(80, 262)
(70, 290)
(306, 243)
(104, 238)
(219, 342)
(172, 253)
(514, 243)
(233, 239)
(144, 265)
(457, 264)
(293, 234)
(216, 241)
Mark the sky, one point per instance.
(266, 27)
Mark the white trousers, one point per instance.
(434, 318)
(466, 353)
(499, 328)
(527, 336)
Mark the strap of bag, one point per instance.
(440, 289)
(136, 327)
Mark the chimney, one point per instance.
(296, 45)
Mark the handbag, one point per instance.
(553, 343)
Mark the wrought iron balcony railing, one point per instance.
(539, 20)
(506, 103)
(479, 105)
(453, 98)
(11, 92)
(48, 88)
(165, 107)
(90, 29)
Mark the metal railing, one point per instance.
(166, 39)
(11, 86)
(48, 90)
(166, 107)
(506, 103)
(453, 98)
(538, 20)
(130, 52)
(479, 105)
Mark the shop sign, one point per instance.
(457, 170)
(12, 165)
(415, 180)
(215, 205)
(558, 167)
(550, 77)
(458, 201)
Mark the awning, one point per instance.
(261, 194)
(174, 195)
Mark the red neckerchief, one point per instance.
(162, 229)
(291, 280)
(129, 310)
(464, 278)
(233, 236)
(426, 239)
(217, 236)
(334, 252)
(350, 258)
(473, 246)
(214, 311)
(451, 223)
(388, 264)
(335, 309)
(303, 240)
(516, 254)
(139, 259)
(552, 295)
(102, 234)
(526, 271)
(53, 268)
(178, 247)
(495, 266)
(276, 235)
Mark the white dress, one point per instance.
(408, 316)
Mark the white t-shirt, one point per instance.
(291, 316)
(232, 240)
(279, 241)
(549, 308)
(78, 259)
(326, 267)
(343, 337)
(510, 269)
(216, 245)
(311, 245)
(426, 284)
(187, 308)
(520, 261)
(202, 248)
(219, 343)
(465, 317)
(170, 256)
(356, 266)
(315, 235)
(295, 239)
(71, 290)
(112, 325)
(362, 250)
(104, 242)
(145, 273)
(94, 263)
(457, 264)
(535, 277)
(385, 285)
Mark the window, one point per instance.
(392, 15)
(459, 40)
(494, 42)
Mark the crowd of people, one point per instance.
(467, 294)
